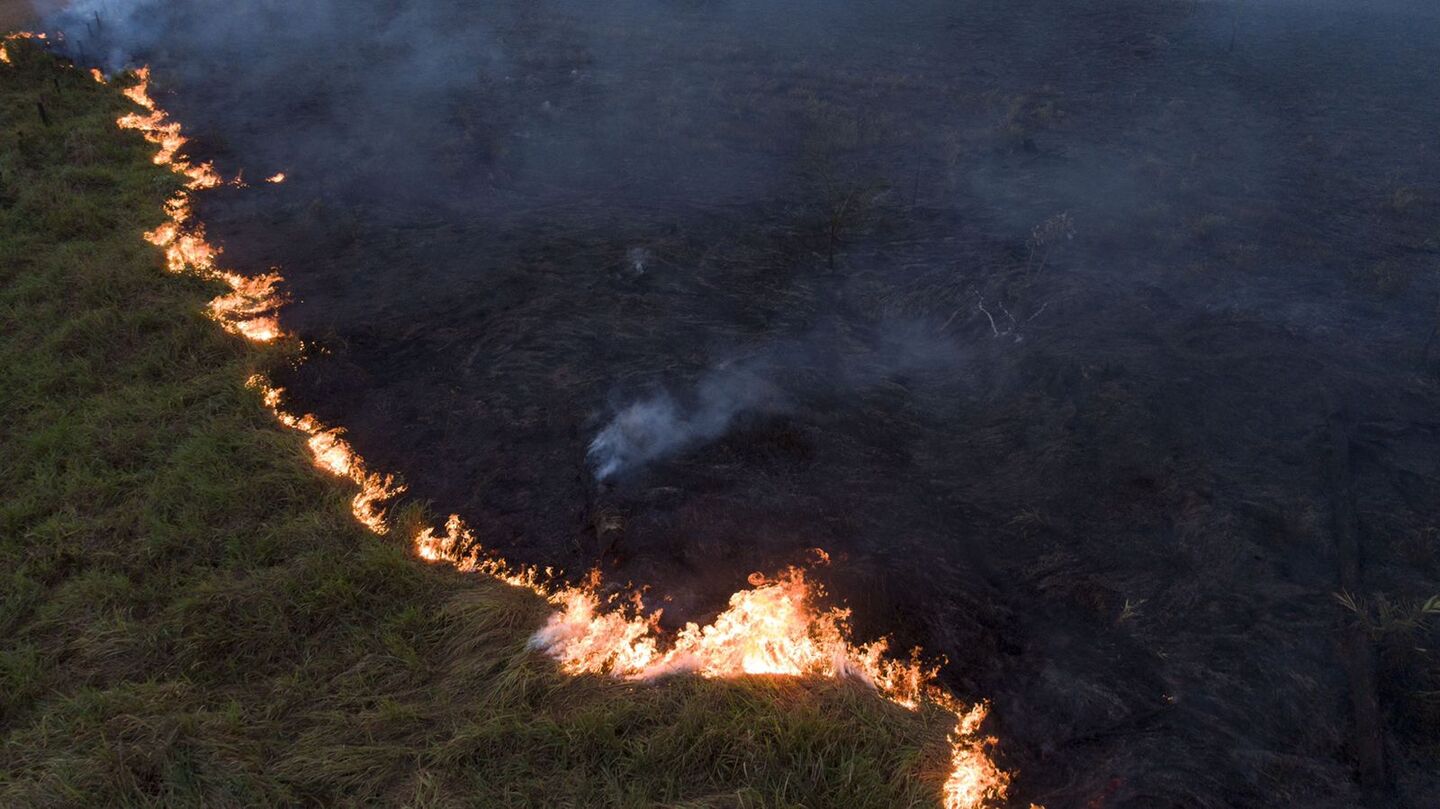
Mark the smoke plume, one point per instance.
(782, 377)
(659, 426)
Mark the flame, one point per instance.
(776, 627)
(249, 308)
(332, 453)
(157, 128)
(11, 37)
(140, 92)
(278, 177)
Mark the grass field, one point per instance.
(189, 616)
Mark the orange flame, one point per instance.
(773, 628)
(157, 128)
(249, 308)
(776, 627)
(278, 177)
(11, 37)
(334, 454)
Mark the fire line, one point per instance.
(775, 627)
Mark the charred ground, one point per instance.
(191, 616)
(1116, 478)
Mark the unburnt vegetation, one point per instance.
(190, 617)
(1096, 342)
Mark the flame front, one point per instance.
(249, 308)
(776, 627)
(773, 628)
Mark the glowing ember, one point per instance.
(276, 178)
(777, 627)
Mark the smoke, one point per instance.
(783, 377)
(659, 426)
(684, 219)
(445, 105)
(109, 33)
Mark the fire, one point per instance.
(5, 53)
(140, 92)
(776, 627)
(334, 454)
(249, 308)
(157, 128)
(277, 178)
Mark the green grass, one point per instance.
(190, 617)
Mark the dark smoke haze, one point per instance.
(1048, 318)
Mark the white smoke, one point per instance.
(107, 32)
(659, 426)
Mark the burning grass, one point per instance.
(191, 615)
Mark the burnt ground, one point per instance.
(1123, 518)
